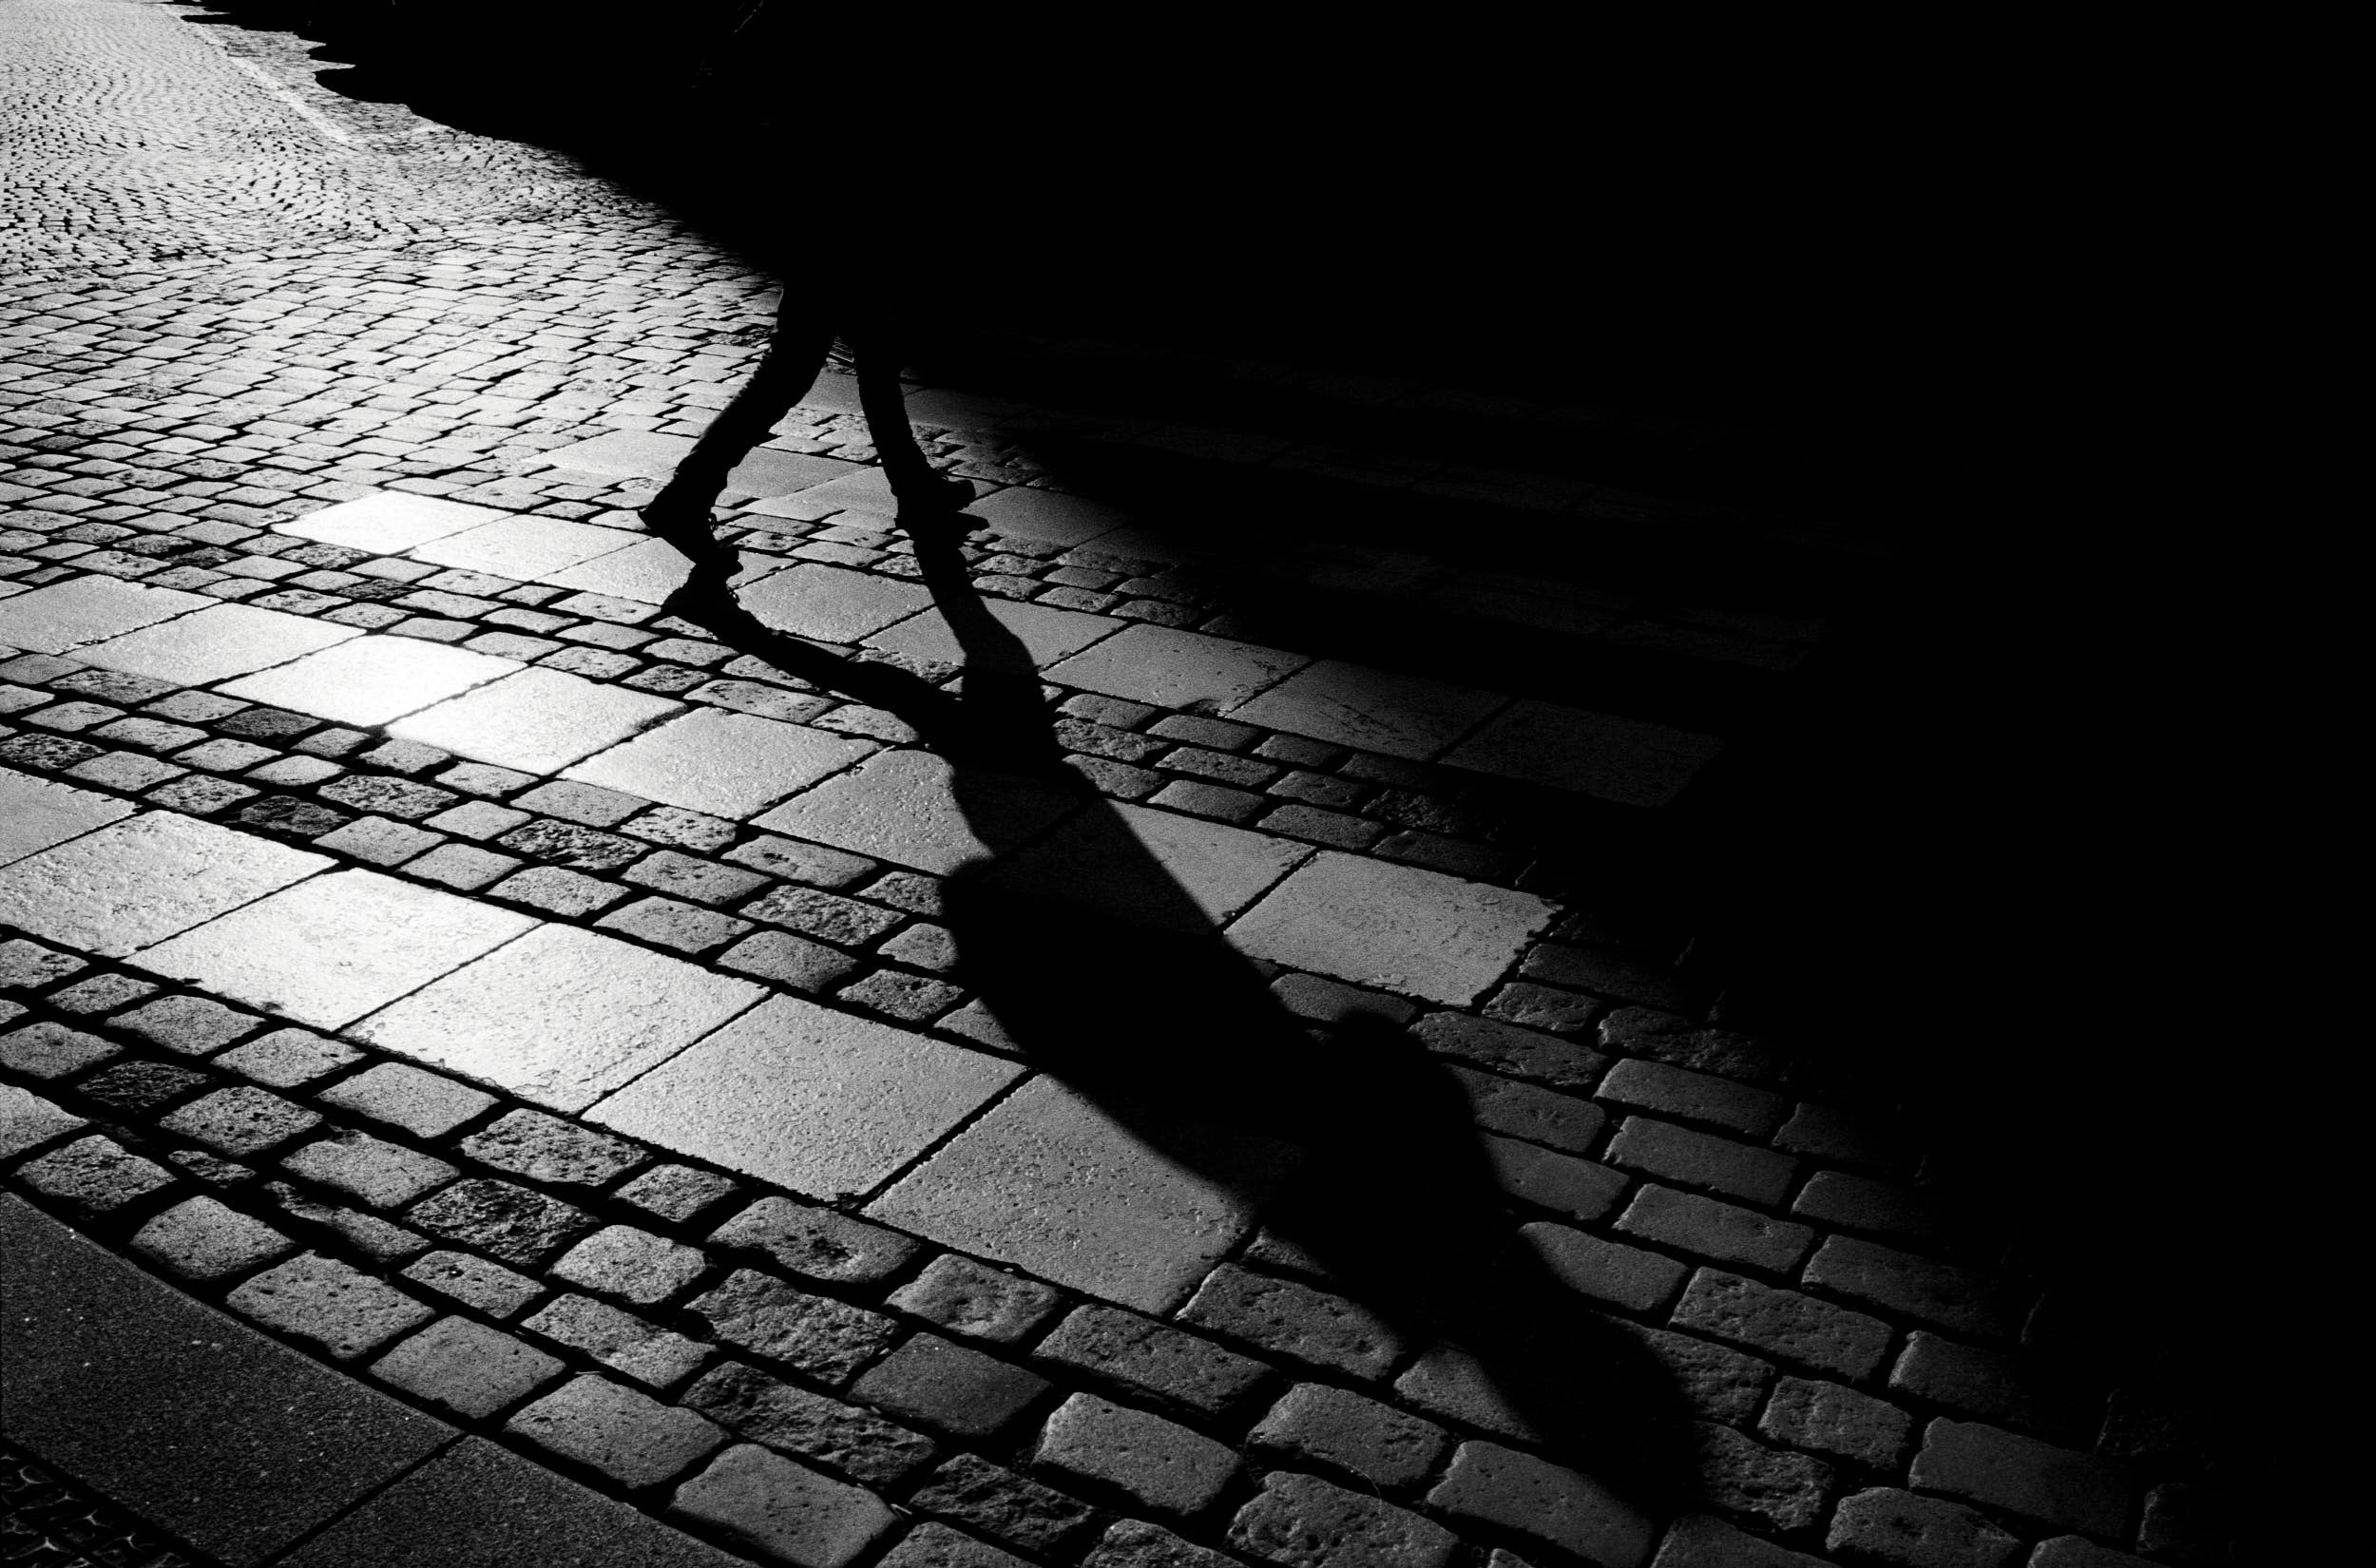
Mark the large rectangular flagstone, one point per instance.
(372, 679)
(1398, 927)
(560, 1016)
(727, 764)
(902, 807)
(1376, 710)
(142, 879)
(216, 643)
(623, 454)
(1044, 514)
(1132, 1211)
(327, 951)
(1621, 759)
(1174, 669)
(1148, 867)
(536, 720)
(818, 1102)
(389, 522)
(59, 616)
(831, 603)
(1046, 633)
(35, 814)
(528, 548)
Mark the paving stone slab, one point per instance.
(1162, 1465)
(561, 1016)
(1302, 1522)
(525, 548)
(1050, 1182)
(370, 681)
(905, 807)
(1047, 633)
(1620, 759)
(725, 764)
(1046, 515)
(815, 1101)
(216, 643)
(647, 571)
(1500, 1486)
(538, 720)
(785, 1512)
(59, 616)
(234, 1444)
(467, 1367)
(142, 879)
(389, 522)
(331, 949)
(1145, 867)
(1398, 927)
(202, 1240)
(36, 813)
(28, 1121)
(1375, 710)
(831, 603)
(1177, 669)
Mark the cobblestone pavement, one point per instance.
(513, 1009)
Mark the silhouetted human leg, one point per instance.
(921, 491)
(794, 354)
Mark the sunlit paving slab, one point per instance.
(1621, 759)
(649, 571)
(1376, 710)
(1132, 1211)
(819, 1101)
(727, 764)
(389, 522)
(560, 1016)
(1398, 927)
(216, 643)
(648, 455)
(36, 813)
(141, 879)
(537, 720)
(529, 548)
(1147, 868)
(907, 806)
(59, 616)
(832, 604)
(1175, 669)
(327, 951)
(1043, 514)
(1046, 633)
(771, 472)
(867, 490)
(372, 679)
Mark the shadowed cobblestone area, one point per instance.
(434, 957)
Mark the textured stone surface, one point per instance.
(1294, 1320)
(2038, 1480)
(371, 680)
(1000, 1504)
(202, 1240)
(343, 1310)
(467, 1367)
(775, 1507)
(59, 616)
(970, 1298)
(422, 1103)
(550, 1150)
(216, 643)
(900, 806)
(28, 1121)
(536, 720)
(94, 1176)
(1154, 1362)
(140, 880)
(516, 1225)
(1400, 929)
(848, 1441)
(1516, 1491)
(1784, 1323)
(1162, 1465)
(629, 1437)
(1315, 1424)
(36, 813)
(1355, 706)
(658, 1358)
(1884, 1525)
(948, 1388)
(635, 1266)
(820, 1244)
(377, 1172)
(726, 764)
(828, 1339)
(1174, 669)
(1301, 1521)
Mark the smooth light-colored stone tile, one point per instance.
(389, 522)
(866, 491)
(1376, 710)
(770, 472)
(536, 720)
(1135, 863)
(727, 764)
(1046, 633)
(35, 814)
(560, 1016)
(903, 807)
(1621, 759)
(1175, 669)
(832, 604)
(815, 1100)
(529, 548)
(216, 643)
(59, 616)
(142, 879)
(327, 951)
(1398, 927)
(372, 679)
(1044, 514)
(623, 454)
(1051, 1183)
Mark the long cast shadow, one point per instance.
(1111, 977)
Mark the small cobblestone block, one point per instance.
(1448, 1381)
(461, 866)
(1136, 1544)
(2054, 1486)
(345, 1311)
(520, 1227)
(95, 1175)
(1295, 1320)
(976, 1300)
(200, 1239)
(1001, 1503)
(100, 994)
(489, 1287)
(288, 1058)
(366, 1233)
(949, 1388)
(1694, 1097)
(373, 1170)
(558, 891)
(545, 1148)
(1959, 1300)
(28, 1121)
(1719, 1232)
(52, 1050)
(681, 927)
(1898, 1528)
(2074, 1552)
(1843, 1137)
(1151, 1359)
(1564, 1122)
(1502, 1488)
(1336, 1429)
(1746, 1478)
(676, 1192)
(620, 1341)
(376, 841)
(1162, 1465)
(2000, 1384)
(938, 1546)
(1302, 1522)
(636, 1266)
(631, 1438)
(585, 803)
(1580, 1187)
(819, 1244)
(422, 1103)
(240, 1121)
(1689, 1158)
(1831, 1420)
(788, 960)
(1783, 1324)
(29, 965)
(848, 1441)
(467, 1367)
(781, 1511)
(1702, 1540)
(827, 1339)
(193, 1026)
(1863, 1203)
(1607, 1271)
